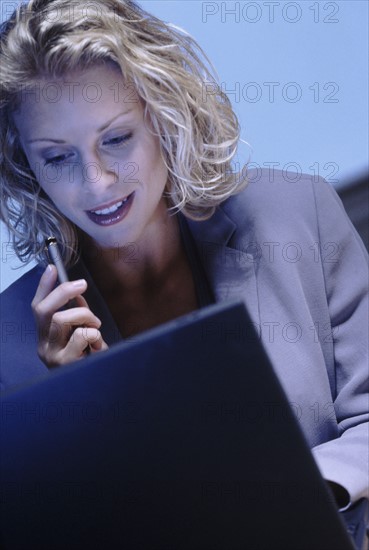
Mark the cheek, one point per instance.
(127, 172)
(158, 173)
(59, 197)
(162, 174)
(48, 177)
(149, 161)
(59, 183)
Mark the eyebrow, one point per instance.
(101, 129)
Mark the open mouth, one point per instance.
(112, 214)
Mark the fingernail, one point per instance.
(79, 283)
(49, 270)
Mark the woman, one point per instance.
(111, 144)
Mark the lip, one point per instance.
(113, 217)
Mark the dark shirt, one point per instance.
(204, 293)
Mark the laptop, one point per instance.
(164, 443)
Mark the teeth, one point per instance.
(111, 209)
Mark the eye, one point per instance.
(57, 159)
(118, 140)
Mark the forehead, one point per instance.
(97, 90)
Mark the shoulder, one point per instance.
(15, 301)
(286, 204)
(18, 354)
(275, 193)
(279, 208)
(23, 289)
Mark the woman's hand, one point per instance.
(64, 336)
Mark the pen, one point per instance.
(55, 257)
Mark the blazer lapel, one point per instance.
(231, 271)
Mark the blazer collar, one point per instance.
(218, 229)
(231, 270)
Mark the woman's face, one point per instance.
(91, 151)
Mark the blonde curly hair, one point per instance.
(198, 131)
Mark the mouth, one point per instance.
(113, 213)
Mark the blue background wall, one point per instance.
(297, 74)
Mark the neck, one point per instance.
(137, 266)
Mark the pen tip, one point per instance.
(50, 240)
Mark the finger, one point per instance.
(59, 297)
(81, 302)
(64, 322)
(98, 345)
(46, 284)
(81, 338)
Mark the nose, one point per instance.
(98, 171)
